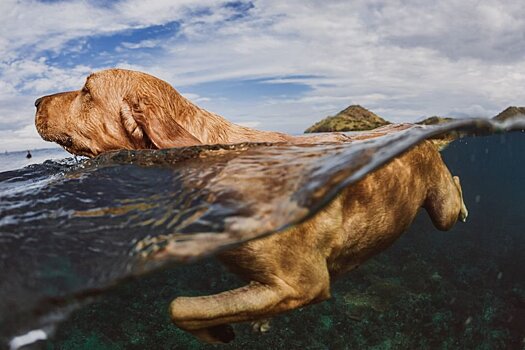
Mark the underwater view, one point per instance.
(82, 242)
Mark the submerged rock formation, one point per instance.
(353, 118)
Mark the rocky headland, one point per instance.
(358, 118)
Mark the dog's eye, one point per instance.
(85, 90)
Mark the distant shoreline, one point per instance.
(32, 150)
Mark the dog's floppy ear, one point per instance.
(147, 124)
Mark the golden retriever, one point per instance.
(120, 108)
(125, 109)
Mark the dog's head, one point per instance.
(115, 109)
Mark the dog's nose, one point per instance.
(38, 101)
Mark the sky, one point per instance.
(270, 64)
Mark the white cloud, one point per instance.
(25, 138)
(353, 62)
(144, 44)
(472, 111)
(489, 29)
(195, 98)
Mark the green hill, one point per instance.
(353, 118)
(509, 113)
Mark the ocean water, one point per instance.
(77, 239)
(17, 160)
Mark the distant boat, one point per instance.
(28, 155)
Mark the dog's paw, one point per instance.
(261, 326)
(463, 212)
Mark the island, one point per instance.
(352, 118)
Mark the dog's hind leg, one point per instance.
(445, 203)
(208, 317)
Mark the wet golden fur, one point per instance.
(125, 109)
(119, 108)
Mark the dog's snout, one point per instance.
(38, 101)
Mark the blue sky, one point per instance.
(274, 65)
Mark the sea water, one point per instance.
(72, 265)
(17, 160)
